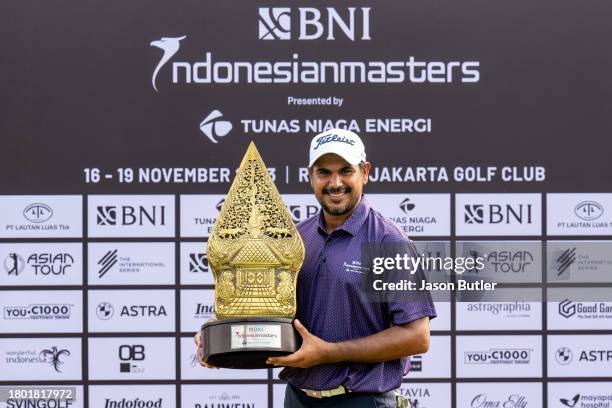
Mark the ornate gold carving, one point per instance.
(254, 249)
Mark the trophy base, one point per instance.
(247, 342)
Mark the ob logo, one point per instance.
(212, 126)
(274, 23)
(134, 352)
(567, 308)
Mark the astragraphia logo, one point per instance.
(498, 214)
(133, 403)
(198, 263)
(513, 400)
(128, 215)
(498, 356)
(38, 213)
(274, 23)
(509, 309)
(14, 264)
(589, 210)
(39, 311)
(213, 127)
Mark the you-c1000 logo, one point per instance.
(278, 23)
(114, 215)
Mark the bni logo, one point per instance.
(131, 215)
(198, 262)
(275, 23)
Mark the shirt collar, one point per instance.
(354, 222)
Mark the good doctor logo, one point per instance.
(310, 23)
(498, 356)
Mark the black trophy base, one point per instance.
(247, 342)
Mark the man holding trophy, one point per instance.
(353, 350)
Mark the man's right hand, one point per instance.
(199, 351)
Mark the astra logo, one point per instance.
(565, 260)
(497, 214)
(198, 262)
(54, 356)
(170, 46)
(567, 308)
(13, 264)
(314, 23)
(213, 127)
(129, 215)
(564, 355)
(589, 210)
(406, 206)
(106, 262)
(37, 213)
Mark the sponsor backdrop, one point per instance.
(487, 125)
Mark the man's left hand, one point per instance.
(314, 351)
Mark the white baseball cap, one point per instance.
(344, 143)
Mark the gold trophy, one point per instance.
(255, 253)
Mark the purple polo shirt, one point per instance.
(332, 304)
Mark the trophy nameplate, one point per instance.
(255, 253)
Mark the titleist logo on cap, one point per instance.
(333, 138)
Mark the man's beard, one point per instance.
(343, 210)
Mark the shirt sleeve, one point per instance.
(405, 306)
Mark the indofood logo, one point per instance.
(133, 403)
(589, 210)
(353, 23)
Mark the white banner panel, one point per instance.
(579, 308)
(47, 216)
(197, 306)
(199, 213)
(474, 395)
(41, 311)
(194, 264)
(132, 358)
(133, 396)
(41, 263)
(583, 355)
(502, 309)
(418, 215)
(192, 370)
(131, 263)
(130, 216)
(580, 394)
(579, 214)
(579, 261)
(131, 311)
(498, 214)
(434, 363)
(31, 359)
(223, 395)
(499, 356)
(76, 400)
